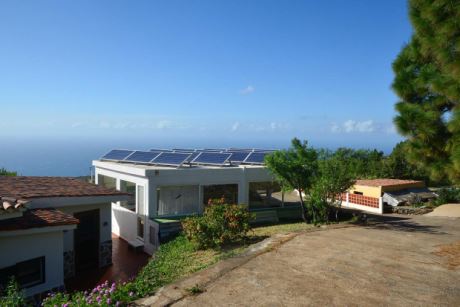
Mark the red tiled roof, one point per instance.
(382, 182)
(26, 187)
(37, 218)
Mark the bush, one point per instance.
(220, 224)
(12, 295)
(318, 210)
(447, 195)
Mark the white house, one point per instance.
(163, 193)
(51, 228)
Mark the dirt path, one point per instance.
(400, 261)
(447, 210)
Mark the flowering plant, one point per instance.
(102, 295)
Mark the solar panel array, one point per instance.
(182, 156)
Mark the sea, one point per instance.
(73, 156)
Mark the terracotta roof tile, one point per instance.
(9, 204)
(382, 182)
(25, 187)
(37, 218)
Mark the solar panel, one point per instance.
(161, 150)
(212, 150)
(213, 158)
(238, 156)
(117, 154)
(183, 150)
(171, 158)
(264, 150)
(141, 156)
(232, 149)
(193, 155)
(255, 158)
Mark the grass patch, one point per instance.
(264, 231)
(195, 290)
(174, 260)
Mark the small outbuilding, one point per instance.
(373, 194)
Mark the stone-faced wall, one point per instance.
(105, 253)
(69, 264)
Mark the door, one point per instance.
(86, 240)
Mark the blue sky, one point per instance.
(210, 73)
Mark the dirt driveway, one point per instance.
(397, 261)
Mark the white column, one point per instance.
(381, 205)
(152, 199)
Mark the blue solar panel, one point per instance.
(238, 156)
(233, 149)
(193, 155)
(213, 158)
(183, 150)
(117, 154)
(211, 150)
(142, 156)
(256, 158)
(161, 150)
(171, 158)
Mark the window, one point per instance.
(178, 200)
(107, 181)
(357, 193)
(140, 200)
(140, 212)
(129, 187)
(265, 195)
(140, 227)
(27, 273)
(228, 192)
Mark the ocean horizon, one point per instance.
(73, 156)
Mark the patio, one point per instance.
(126, 264)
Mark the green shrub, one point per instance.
(447, 195)
(220, 224)
(12, 295)
(318, 210)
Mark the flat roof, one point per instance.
(383, 182)
(141, 166)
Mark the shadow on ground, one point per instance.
(399, 223)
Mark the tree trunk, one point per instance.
(337, 210)
(304, 210)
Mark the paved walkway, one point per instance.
(126, 264)
(400, 261)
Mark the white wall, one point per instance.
(17, 248)
(124, 222)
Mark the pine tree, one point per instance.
(427, 80)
